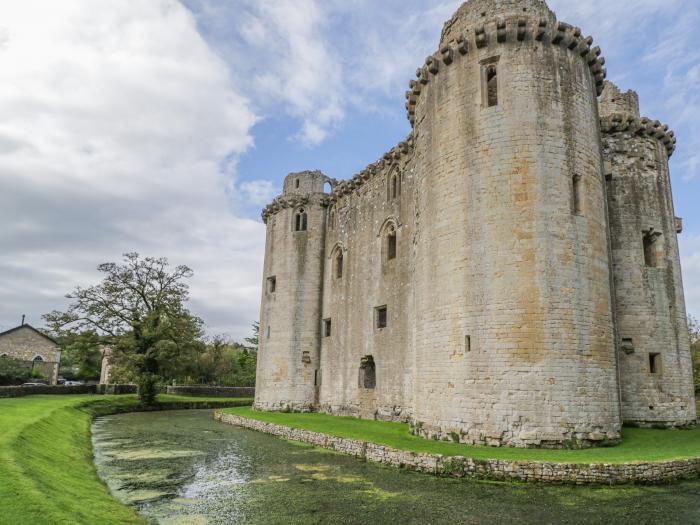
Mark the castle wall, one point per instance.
(361, 221)
(650, 305)
(500, 256)
(505, 322)
(289, 340)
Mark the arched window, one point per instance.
(492, 85)
(36, 363)
(368, 373)
(300, 220)
(390, 240)
(338, 264)
(394, 187)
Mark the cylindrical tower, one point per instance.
(655, 365)
(514, 336)
(288, 372)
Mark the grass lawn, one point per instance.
(638, 444)
(47, 475)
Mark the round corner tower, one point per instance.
(655, 363)
(514, 335)
(290, 331)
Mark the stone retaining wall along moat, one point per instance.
(494, 469)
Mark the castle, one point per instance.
(507, 275)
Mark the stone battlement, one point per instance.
(624, 123)
(501, 31)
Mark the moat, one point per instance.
(184, 468)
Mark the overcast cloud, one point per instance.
(115, 123)
(122, 128)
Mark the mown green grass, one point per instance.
(638, 444)
(47, 475)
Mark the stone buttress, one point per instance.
(655, 362)
(289, 340)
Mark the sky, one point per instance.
(165, 126)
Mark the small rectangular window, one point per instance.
(317, 377)
(380, 314)
(654, 363)
(391, 247)
(467, 343)
(271, 284)
(267, 334)
(326, 328)
(576, 197)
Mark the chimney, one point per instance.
(23, 316)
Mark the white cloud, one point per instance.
(281, 49)
(258, 192)
(115, 122)
(690, 260)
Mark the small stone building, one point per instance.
(28, 345)
(507, 275)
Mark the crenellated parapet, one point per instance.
(294, 201)
(403, 150)
(500, 31)
(642, 126)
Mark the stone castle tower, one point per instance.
(507, 275)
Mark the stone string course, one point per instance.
(491, 469)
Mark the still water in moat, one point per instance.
(185, 468)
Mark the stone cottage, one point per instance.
(36, 350)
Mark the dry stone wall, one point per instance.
(211, 391)
(492, 469)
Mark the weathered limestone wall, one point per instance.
(495, 469)
(501, 258)
(289, 341)
(25, 344)
(359, 225)
(501, 301)
(651, 313)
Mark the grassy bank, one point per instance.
(47, 475)
(638, 445)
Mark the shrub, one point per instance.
(13, 372)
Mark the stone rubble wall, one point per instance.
(20, 391)
(211, 391)
(492, 469)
